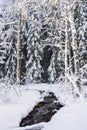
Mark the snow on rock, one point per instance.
(33, 127)
(69, 118)
(12, 113)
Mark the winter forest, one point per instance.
(43, 63)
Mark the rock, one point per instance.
(43, 111)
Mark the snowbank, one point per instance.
(69, 118)
(12, 113)
(14, 108)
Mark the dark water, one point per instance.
(42, 112)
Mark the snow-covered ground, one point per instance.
(13, 110)
(13, 107)
(69, 118)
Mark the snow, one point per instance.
(13, 109)
(33, 127)
(63, 91)
(16, 103)
(69, 118)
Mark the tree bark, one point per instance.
(18, 49)
(66, 51)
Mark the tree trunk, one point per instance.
(75, 46)
(66, 51)
(18, 49)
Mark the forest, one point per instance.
(43, 47)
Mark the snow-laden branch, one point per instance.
(75, 89)
(11, 23)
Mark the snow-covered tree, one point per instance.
(33, 45)
(80, 23)
(11, 63)
(7, 52)
(52, 36)
(74, 44)
(18, 13)
(40, 33)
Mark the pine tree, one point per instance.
(7, 52)
(52, 38)
(80, 23)
(33, 46)
(23, 52)
(80, 17)
(11, 18)
(3, 50)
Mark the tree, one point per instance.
(52, 38)
(75, 45)
(18, 48)
(80, 23)
(8, 51)
(21, 13)
(33, 45)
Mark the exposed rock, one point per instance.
(43, 111)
